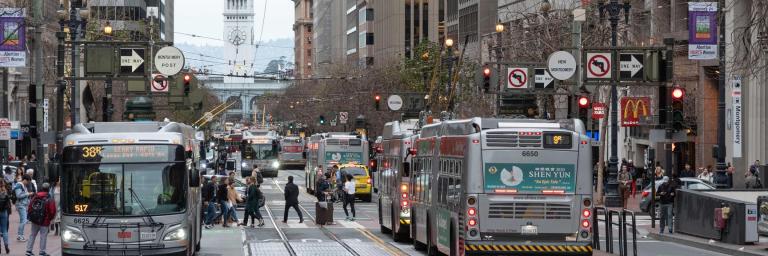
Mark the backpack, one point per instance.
(4, 198)
(12, 195)
(37, 210)
(259, 178)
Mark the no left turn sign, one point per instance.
(159, 83)
(517, 78)
(599, 65)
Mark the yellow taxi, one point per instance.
(362, 176)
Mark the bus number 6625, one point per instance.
(530, 153)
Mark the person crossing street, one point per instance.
(291, 200)
(42, 210)
(349, 190)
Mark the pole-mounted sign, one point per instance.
(543, 79)
(132, 61)
(631, 66)
(169, 61)
(159, 83)
(562, 65)
(395, 102)
(598, 65)
(517, 78)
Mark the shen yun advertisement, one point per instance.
(529, 178)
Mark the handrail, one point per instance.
(623, 230)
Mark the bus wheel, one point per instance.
(384, 229)
(397, 234)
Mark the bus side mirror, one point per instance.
(194, 178)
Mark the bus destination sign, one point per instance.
(122, 153)
(529, 178)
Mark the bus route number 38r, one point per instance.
(530, 153)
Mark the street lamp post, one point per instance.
(614, 8)
(107, 101)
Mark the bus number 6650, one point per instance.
(530, 153)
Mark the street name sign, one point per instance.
(395, 102)
(598, 65)
(132, 61)
(517, 78)
(631, 66)
(169, 60)
(738, 137)
(562, 65)
(543, 79)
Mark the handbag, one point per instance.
(323, 205)
(261, 202)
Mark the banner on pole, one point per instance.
(702, 30)
(12, 38)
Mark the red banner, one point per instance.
(598, 110)
(634, 109)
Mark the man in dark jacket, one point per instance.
(221, 198)
(40, 227)
(209, 196)
(688, 172)
(291, 200)
(667, 192)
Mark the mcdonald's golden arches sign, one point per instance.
(635, 109)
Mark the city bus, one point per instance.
(131, 188)
(503, 186)
(393, 177)
(330, 149)
(292, 152)
(260, 149)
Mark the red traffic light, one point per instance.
(486, 71)
(187, 78)
(583, 102)
(377, 98)
(678, 93)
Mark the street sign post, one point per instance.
(562, 65)
(631, 66)
(395, 102)
(543, 79)
(598, 110)
(132, 61)
(45, 115)
(159, 83)
(598, 65)
(517, 78)
(343, 117)
(169, 61)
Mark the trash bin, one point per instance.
(762, 215)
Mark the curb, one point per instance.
(711, 247)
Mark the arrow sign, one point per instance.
(631, 66)
(542, 79)
(598, 65)
(517, 78)
(132, 61)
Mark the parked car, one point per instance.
(688, 183)
(239, 187)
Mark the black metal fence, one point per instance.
(623, 227)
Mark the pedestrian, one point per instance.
(688, 172)
(349, 189)
(23, 196)
(633, 183)
(257, 174)
(756, 167)
(8, 175)
(729, 174)
(32, 186)
(658, 173)
(338, 176)
(253, 203)
(752, 181)
(705, 175)
(667, 192)
(221, 171)
(291, 193)
(19, 173)
(221, 198)
(5, 212)
(232, 199)
(209, 201)
(42, 211)
(323, 186)
(55, 194)
(624, 182)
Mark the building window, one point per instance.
(369, 38)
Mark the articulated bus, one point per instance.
(292, 152)
(333, 148)
(393, 177)
(503, 187)
(131, 188)
(261, 150)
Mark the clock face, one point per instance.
(236, 36)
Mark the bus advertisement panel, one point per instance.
(529, 177)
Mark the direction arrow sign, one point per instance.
(599, 65)
(132, 61)
(517, 78)
(542, 79)
(169, 60)
(631, 66)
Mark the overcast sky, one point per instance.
(204, 18)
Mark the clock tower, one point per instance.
(239, 40)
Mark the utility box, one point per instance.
(695, 214)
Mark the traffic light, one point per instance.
(187, 81)
(583, 102)
(584, 106)
(678, 106)
(322, 120)
(290, 126)
(377, 101)
(486, 79)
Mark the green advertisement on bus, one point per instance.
(444, 227)
(344, 157)
(529, 178)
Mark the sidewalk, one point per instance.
(53, 246)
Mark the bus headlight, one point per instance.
(70, 235)
(204, 166)
(244, 164)
(275, 164)
(178, 234)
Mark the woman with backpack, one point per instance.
(5, 212)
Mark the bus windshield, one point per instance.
(113, 180)
(260, 151)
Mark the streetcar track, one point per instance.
(280, 232)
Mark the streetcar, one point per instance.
(503, 187)
(393, 176)
(131, 188)
(330, 149)
(292, 152)
(262, 150)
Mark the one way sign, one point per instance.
(132, 61)
(543, 80)
(631, 66)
